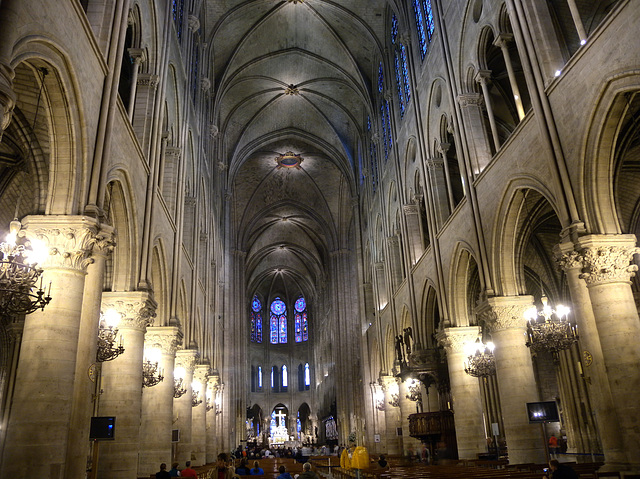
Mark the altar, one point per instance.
(279, 434)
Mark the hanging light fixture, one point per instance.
(19, 274)
(151, 373)
(480, 361)
(195, 394)
(107, 334)
(549, 329)
(178, 379)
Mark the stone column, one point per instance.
(435, 169)
(122, 384)
(138, 56)
(182, 410)
(198, 417)
(593, 366)
(8, 35)
(465, 391)
(471, 106)
(414, 231)
(391, 414)
(504, 316)
(483, 77)
(502, 41)
(443, 148)
(143, 121)
(156, 419)
(84, 384)
(407, 407)
(211, 436)
(381, 283)
(575, 14)
(41, 407)
(393, 243)
(607, 272)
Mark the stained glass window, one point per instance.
(405, 73)
(388, 113)
(394, 29)
(285, 379)
(272, 378)
(424, 24)
(307, 375)
(384, 132)
(278, 321)
(399, 84)
(178, 14)
(380, 78)
(301, 325)
(256, 320)
(194, 70)
(259, 377)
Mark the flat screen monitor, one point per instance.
(546, 411)
(103, 428)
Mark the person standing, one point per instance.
(553, 446)
(163, 473)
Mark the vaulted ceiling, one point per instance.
(293, 76)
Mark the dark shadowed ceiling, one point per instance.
(293, 76)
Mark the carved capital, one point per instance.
(411, 209)
(470, 99)
(568, 260)
(172, 152)
(213, 130)
(503, 39)
(201, 372)
(187, 359)
(205, 84)
(454, 339)
(69, 239)
(505, 312)
(137, 308)
(606, 258)
(148, 80)
(483, 76)
(393, 241)
(435, 164)
(164, 338)
(193, 22)
(138, 55)
(443, 148)
(7, 96)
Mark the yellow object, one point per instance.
(345, 460)
(360, 458)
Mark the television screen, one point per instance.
(546, 411)
(103, 428)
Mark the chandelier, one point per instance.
(107, 334)
(554, 333)
(480, 362)
(178, 390)
(289, 159)
(195, 394)
(19, 275)
(151, 374)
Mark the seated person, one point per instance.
(382, 462)
(243, 469)
(283, 473)
(257, 470)
(558, 470)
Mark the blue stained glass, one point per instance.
(300, 305)
(399, 84)
(194, 72)
(274, 329)
(394, 29)
(259, 376)
(256, 304)
(384, 132)
(420, 26)
(278, 307)
(428, 16)
(307, 375)
(283, 329)
(179, 18)
(368, 123)
(298, 425)
(253, 327)
(285, 379)
(298, 327)
(258, 327)
(405, 73)
(305, 327)
(380, 78)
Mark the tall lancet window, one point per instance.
(256, 320)
(307, 376)
(259, 377)
(278, 321)
(301, 321)
(285, 377)
(424, 24)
